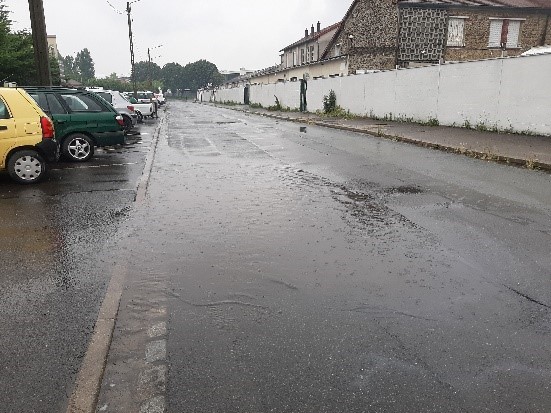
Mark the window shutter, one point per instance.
(456, 29)
(495, 33)
(513, 35)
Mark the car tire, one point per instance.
(77, 148)
(127, 124)
(27, 166)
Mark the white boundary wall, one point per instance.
(508, 94)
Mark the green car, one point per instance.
(82, 120)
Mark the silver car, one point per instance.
(121, 105)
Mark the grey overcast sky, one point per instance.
(229, 33)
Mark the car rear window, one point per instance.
(106, 96)
(82, 103)
(54, 105)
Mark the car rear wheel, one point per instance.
(127, 124)
(78, 148)
(26, 167)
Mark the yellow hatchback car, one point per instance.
(27, 137)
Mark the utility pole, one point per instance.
(40, 42)
(132, 75)
(149, 68)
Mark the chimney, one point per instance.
(306, 33)
(319, 26)
(312, 30)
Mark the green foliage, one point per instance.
(17, 59)
(255, 105)
(330, 102)
(201, 74)
(145, 71)
(171, 76)
(85, 65)
(55, 72)
(70, 70)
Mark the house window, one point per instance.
(302, 56)
(504, 33)
(311, 54)
(456, 31)
(337, 49)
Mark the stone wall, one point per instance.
(374, 27)
(477, 30)
(422, 34)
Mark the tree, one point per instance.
(85, 65)
(55, 72)
(5, 22)
(143, 70)
(16, 52)
(201, 74)
(70, 70)
(171, 75)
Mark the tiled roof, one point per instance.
(315, 36)
(539, 4)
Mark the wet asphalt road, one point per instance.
(280, 268)
(275, 267)
(54, 238)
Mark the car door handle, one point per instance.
(3, 128)
(60, 121)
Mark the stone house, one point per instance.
(310, 48)
(383, 34)
(302, 59)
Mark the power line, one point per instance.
(113, 7)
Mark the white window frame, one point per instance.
(513, 41)
(459, 36)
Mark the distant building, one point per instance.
(52, 46)
(308, 49)
(232, 74)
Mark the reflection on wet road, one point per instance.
(299, 269)
(54, 241)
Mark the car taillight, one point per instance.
(48, 131)
(119, 120)
(130, 108)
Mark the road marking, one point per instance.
(155, 351)
(157, 330)
(154, 405)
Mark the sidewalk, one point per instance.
(529, 151)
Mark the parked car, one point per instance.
(148, 97)
(121, 105)
(143, 110)
(82, 120)
(27, 137)
(160, 97)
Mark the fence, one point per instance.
(512, 94)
